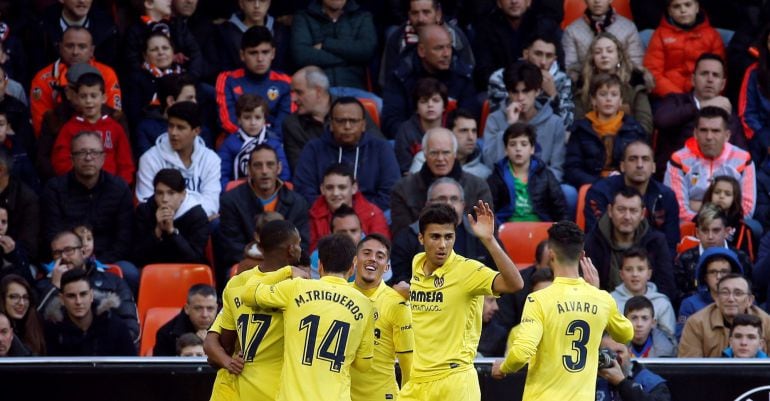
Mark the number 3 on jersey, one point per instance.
(260, 325)
(333, 345)
(580, 329)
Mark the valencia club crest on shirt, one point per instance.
(273, 93)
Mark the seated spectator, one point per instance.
(599, 17)
(310, 94)
(683, 35)
(189, 344)
(20, 134)
(542, 50)
(725, 192)
(402, 42)
(430, 97)
(608, 55)
(539, 279)
(339, 188)
(636, 170)
(524, 82)
(171, 227)
(523, 189)
(463, 125)
(409, 195)
(252, 255)
(706, 156)
(263, 192)
(623, 227)
(49, 84)
(433, 59)
(90, 195)
(649, 341)
(374, 163)
(67, 252)
(676, 116)
(14, 144)
(196, 317)
(344, 220)
(706, 333)
(635, 274)
(86, 234)
(336, 35)
(488, 311)
(13, 257)
(116, 148)
(256, 77)
(596, 144)
(754, 103)
(203, 29)
(252, 112)
(628, 379)
(250, 14)
(23, 208)
(10, 345)
(157, 18)
(182, 149)
(141, 86)
(746, 338)
(83, 322)
(172, 88)
(442, 191)
(18, 301)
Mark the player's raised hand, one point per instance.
(483, 225)
(496, 372)
(590, 274)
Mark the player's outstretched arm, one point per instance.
(483, 227)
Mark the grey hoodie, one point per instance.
(551, 138)
(664, 312)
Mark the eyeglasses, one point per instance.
(434, 154)
(82, 154)
(17, 298)
(57, 253)
(346, 121)
(737, 294)
(718, 273)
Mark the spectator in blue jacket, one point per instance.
(234, 152)
(374, 163)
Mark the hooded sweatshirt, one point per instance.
(664, 312)
(203, 175)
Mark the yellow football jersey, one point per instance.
(328, 326)
(560, 330)
(260, 335)
(446, 315)
(225, 388)
(392, 335)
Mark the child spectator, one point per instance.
(21, 166)
(247, 15)
(599, 18)
(714, 264)
(90, 117)
(19, 302)
(597, 142)
(14, 258)
(252, 112)
(607, 55)
(683, 35)
(171, 89)
(648, 341)
(86, 234)
(523, 189)
(746, 338)
(431, 98)
(636, 272)
(171, 227)
(189, 344)
(182, 149)
(725, 192)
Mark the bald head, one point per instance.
(310, 92)
(435, 47)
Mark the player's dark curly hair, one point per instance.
(440, 213)
(275, 233)
(336, 253)
(566, 240)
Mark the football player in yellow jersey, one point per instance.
(393, 337)
(562, 325)
(328, 325)
(255, 370)
(446, 295)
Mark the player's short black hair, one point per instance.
(518, 129)
(172, 85)
(341, 212)
(566, 240)
(336, 253)
(375, 237)
(187, 340)
(73, 275)
(275, 233)
(636, 252)
(457, 114)
(188, 112)
(710, 112)
(438, 213)
(255, 36)
(636, 303)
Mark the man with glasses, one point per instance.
(347, 141)
(67, 252)
(410, 192)
(707, 333)
(89, 195)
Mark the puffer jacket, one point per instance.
(635, 94)
(545, 194)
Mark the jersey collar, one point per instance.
(372, 293)
(334, 280)
(440, 272)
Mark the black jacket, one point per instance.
(23, 215)
(107, 208)
(229, 35)
(188, 246)
(107, 335)
(181, 37)
(165, 338)
(545, 194)
(238, 208)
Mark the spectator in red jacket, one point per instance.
(339, 188)
(683, 35)
(117, 149)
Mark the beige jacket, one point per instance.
(705, 334)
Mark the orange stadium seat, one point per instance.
(166, 284)
(687, 229)
(580, 217)
(483, 121)
(371, 109)
(574, 9)
(234, 184)
(156, 318)
(686, 243)
(520, 240)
